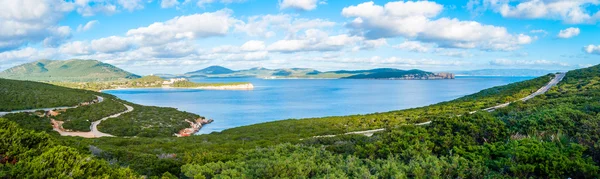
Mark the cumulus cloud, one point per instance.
(131, 4)
(314, 40)
(539, 31)
(266, 25)
(414, 46)
(89, 25)
(31, 21)
(592, 49)
(371, 44)
(253, 45)
(568, 11)
(305, 5)
(414, 20)
(528, 63)
(568, 33)
(168, 3)
(75, 48)
(185, 27)
(111, 44)
(203, 3)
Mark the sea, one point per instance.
(279, 99)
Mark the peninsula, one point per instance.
(308, 73)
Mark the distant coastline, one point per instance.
(241, 87)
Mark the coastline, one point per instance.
(247, 86)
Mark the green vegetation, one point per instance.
(67, 71)
(31, 121)
(17, 95)
(148, 121)
(80, 119)
(28, 154)
(143, 82)
(554, 135)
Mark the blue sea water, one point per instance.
(303, 98)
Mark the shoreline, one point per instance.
(241, 87)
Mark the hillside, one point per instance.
(553, 135)
(19, 95)
(212, 70)
(67, 71)
(379, 73)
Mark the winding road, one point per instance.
(94, 133)
(559, 77)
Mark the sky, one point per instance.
(178, 36)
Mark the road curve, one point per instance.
(94, 127)
(94, 133)
(542, 90)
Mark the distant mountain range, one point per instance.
(379, 73)
(67, 70)
(506, 72)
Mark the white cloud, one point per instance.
(568, 11)
(89, 25)
(131, 4)
(251, 56)
(253, 45)
(371, 44)
(76, 48)
(568, 33)
(413, 20)
(92, 7)
(592, 49)
(203, 3)
(111, 44)
(185, 27)
(168, 3)
(314, 40)
(265, 26)
(305, 5)
(414, 46)
(170, 50)
(539, 31)
(32, 21)
(527, 63)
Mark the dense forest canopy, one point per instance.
(554, 135)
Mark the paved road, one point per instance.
(542, 90)
(94, 127)
(100, 99)
(94, 133)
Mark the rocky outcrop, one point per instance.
(195, 126)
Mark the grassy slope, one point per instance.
(15, 95)
(67, 70)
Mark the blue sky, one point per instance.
(176, 36)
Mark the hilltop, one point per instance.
(259, 72)
(74, 70)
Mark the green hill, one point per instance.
(212, 70)
(67, 71)
(378, 73)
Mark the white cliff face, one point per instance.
(248, 86)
